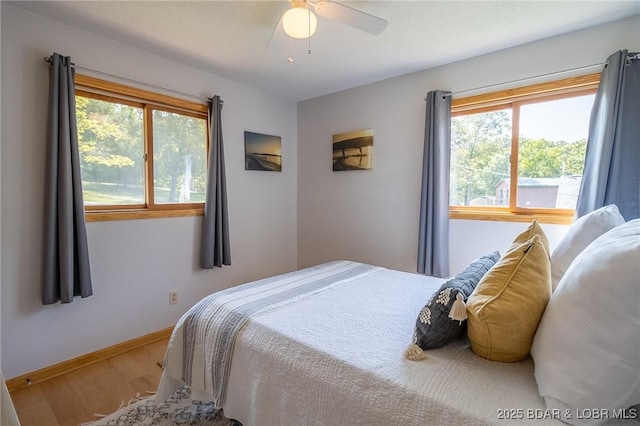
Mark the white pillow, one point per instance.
(587, 346)
(581, 233)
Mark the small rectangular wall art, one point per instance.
(353, 150)
(262, 152)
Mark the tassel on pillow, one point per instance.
(440, 320)
(458, 310)
(414, 352)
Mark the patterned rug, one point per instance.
(178, 409)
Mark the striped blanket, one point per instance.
(201, 346)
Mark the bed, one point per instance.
(328, 345)
(334, 355)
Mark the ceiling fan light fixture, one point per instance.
(299, 22)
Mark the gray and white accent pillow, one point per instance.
(442, 319)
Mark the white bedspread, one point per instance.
(337, 359)
(201, 347)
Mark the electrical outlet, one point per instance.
(173, 297)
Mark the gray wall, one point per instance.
(134, 263)
(372, 216)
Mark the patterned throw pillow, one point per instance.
(441, 320)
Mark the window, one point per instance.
(518, 154)
(141, 154)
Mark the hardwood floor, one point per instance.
(98, 388)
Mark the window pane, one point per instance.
(553, 139)
(111, 144)
(480, 149)
(179, 158)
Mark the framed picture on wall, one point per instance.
(262, 152)
(353, 150)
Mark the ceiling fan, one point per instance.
(300, 21)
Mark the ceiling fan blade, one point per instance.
(350, 16)
(278, 25)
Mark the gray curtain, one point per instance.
(612, 164)
(433, 243)
(66, 256)
(215, 249)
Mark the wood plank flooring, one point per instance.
(98, 388)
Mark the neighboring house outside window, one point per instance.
(142, 154)
(518, 154)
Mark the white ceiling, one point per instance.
(230, 38)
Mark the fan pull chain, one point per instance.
(290, 58)
(309, 28)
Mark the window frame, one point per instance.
(148, 101)
(514, 99)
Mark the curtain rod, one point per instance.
(525, 79)
(136, 82)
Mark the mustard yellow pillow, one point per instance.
(505, 308)
(527, 234)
